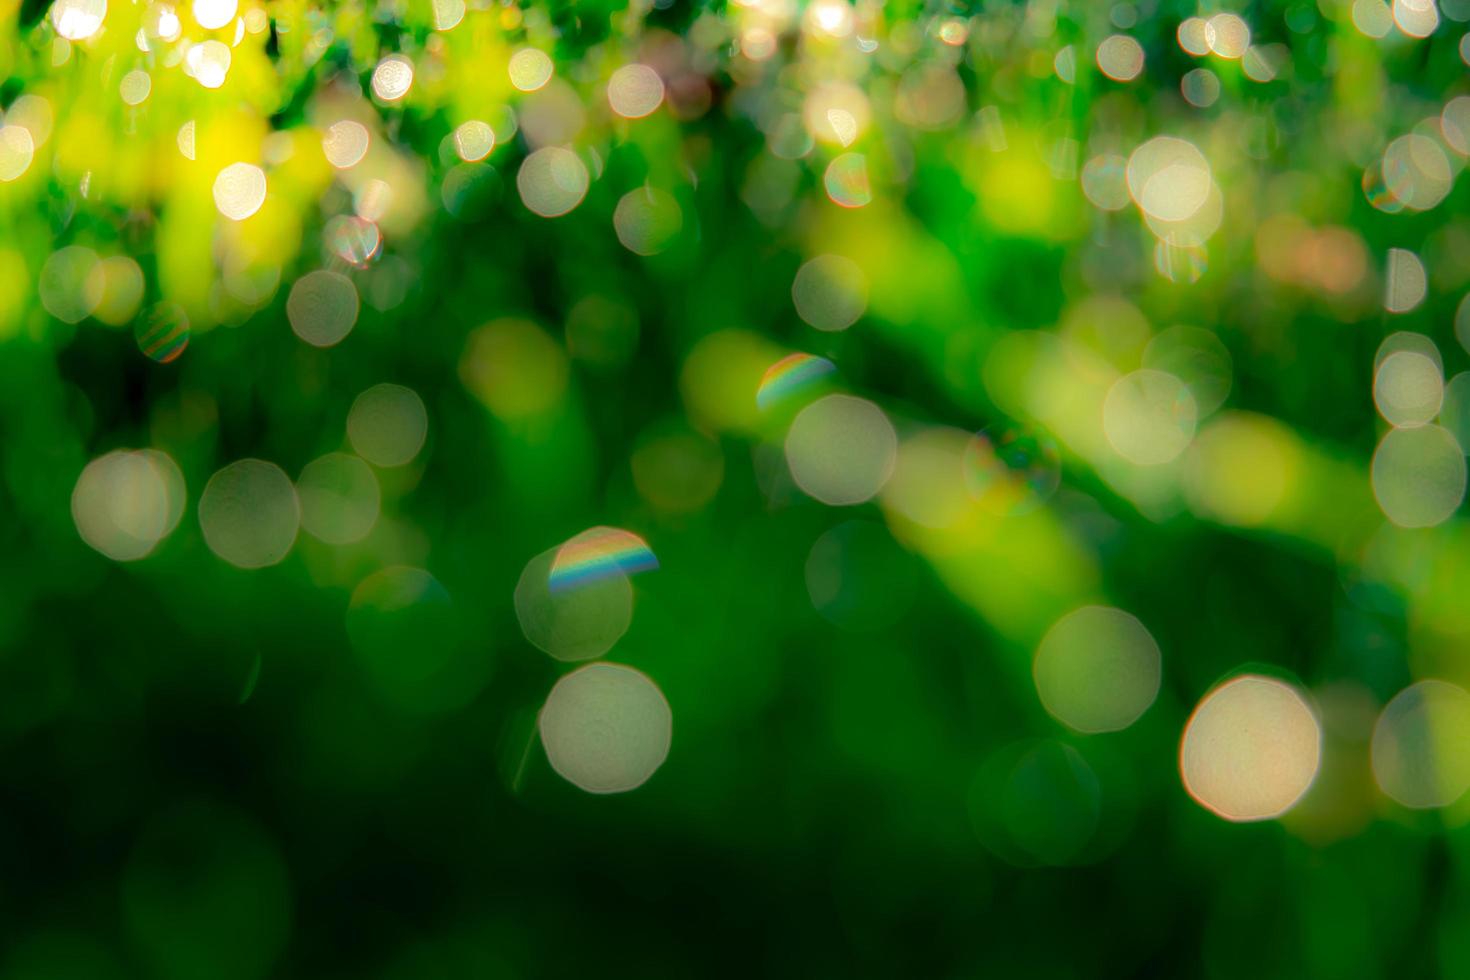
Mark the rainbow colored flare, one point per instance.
(164, 333)
(792, 373)
(597, 554)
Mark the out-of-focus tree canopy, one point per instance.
(783, 487)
